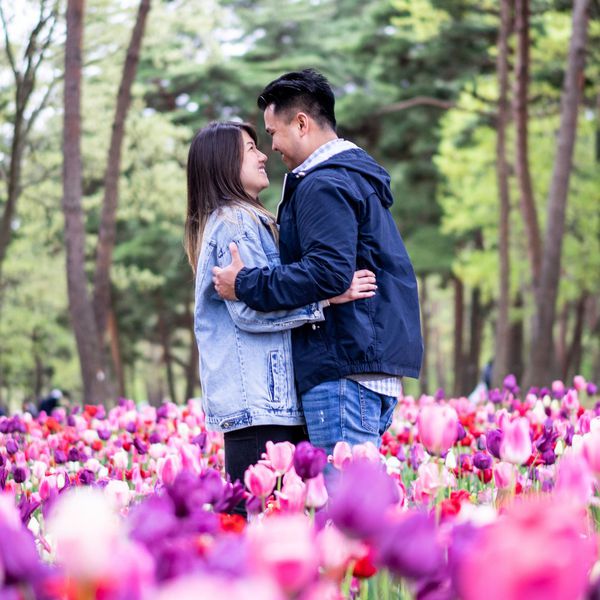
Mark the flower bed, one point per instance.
(496, 499)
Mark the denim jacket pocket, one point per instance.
(277, 378)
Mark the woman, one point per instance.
(245, 356)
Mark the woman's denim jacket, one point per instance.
(245, 356)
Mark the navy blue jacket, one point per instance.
(335, 219)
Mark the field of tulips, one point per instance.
(496, 499)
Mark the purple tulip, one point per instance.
(200, 440)
(461, 433)
(130, 427)
(59, 456)
(19, 474)
(152, 520)
(591, 389)
(495, 396)
(104, 434)
(2, 460)
(140, 446)
(3, 477)
(409, 548)
(482, 461)
(162, 412)
(439, 394)
(493, 440)
(360, 497)
(154, 438)
(549, 457)
(510, 383)
(73, 455)
(26, 508)
(12, 447)
(309, 460)
(86, 477)
(71, 421)
(19, 557)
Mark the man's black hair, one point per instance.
(305, 90)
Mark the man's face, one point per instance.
(286, 137)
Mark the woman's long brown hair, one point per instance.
(214, 179)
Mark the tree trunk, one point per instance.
(472, 371)
(515, 362)
(106, 236)
(521, 116)
(115, 352)
(458, 358)
(501, 356)
(424, 379)
(165, 342)
(573, 357)
(560, 348)
(80, 306)
(542, 368)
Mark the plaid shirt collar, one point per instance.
(324, 152)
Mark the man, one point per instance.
(334, 218)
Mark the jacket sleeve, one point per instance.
(253, 254)
(328, 231)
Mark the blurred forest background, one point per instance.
(485, 113)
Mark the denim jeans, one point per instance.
(344, 410)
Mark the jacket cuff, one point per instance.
(237, 286)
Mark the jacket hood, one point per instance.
(359, 161)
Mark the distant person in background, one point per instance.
(51, 401)
(246, 368)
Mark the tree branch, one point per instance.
(427, 101)
(9, 52)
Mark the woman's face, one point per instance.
(253, 174)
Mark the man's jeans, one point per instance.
(344, 410)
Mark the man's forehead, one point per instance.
(273, 118)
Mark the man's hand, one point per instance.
(224, 279)
(363, 285)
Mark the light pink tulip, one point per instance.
(504, 475)
(168, 468)
(292, 496)
(570, 401)
(437, 424)
(516, 444)
(342, 455)
(430, 480)
(336, 551)
(579, 383)
(591, 449)
(260, 480)
(316, 492)
(280, 455)
(283, 547)
(366, 451)
(574, 479)
(540, 549)
(118, 493)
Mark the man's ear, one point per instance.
(303, 122)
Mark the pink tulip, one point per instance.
(430, 480)
(570, 401)
(504, 475)
(336, 551)
(541, 549)
(366, 451)
(342, 455)
(283, 548)
(579, 383)
(292, 495)
(260, 480)
(437, 424)
(574, 479)
(168, 468)
(591, 449)
(118, 493)
(316, 492)
(516, 446)
(280, 455)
